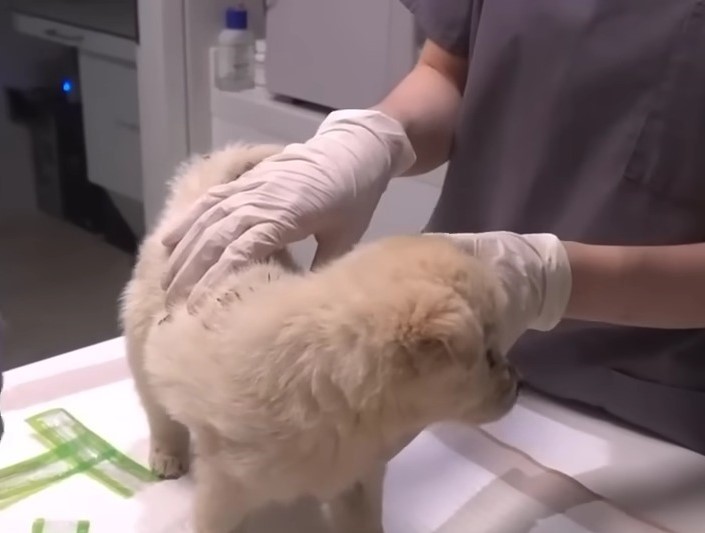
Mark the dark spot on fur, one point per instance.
(167, 318)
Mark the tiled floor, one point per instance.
(59, 288)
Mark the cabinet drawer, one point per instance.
(111, 123)
(95, 42)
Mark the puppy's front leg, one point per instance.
(169, 440)
(359, 508)
(221, 504)
(169, 445)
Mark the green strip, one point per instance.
(41, 525)
(120, 473)
(96, 472)
(33, 475)
(73, 448)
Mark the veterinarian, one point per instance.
(575, 135)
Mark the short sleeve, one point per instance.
(448, 23)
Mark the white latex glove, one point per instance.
(535, 272)
(328, 187)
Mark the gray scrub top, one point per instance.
(586, 119)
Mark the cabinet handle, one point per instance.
(127, 125)
(74, 39)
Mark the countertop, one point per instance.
(542, 469)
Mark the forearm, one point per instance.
(660, 286)
(426, 103)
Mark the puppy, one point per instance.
(297, 384)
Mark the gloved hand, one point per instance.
(328, 187)
(535, 272)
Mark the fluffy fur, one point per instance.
(293, 384)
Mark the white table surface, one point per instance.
(542, 469)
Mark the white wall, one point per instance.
(23, 62)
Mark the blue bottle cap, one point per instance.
(236, 18)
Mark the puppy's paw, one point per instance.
(166, 463)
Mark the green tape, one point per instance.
(114, 469)
(41, 525)
(73, 449)
(33, 475)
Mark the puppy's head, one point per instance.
(447, 363)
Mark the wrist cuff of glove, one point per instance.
(387, 130)
(557, 279)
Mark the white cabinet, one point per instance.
(111, 123)
(96, 42)
(252, 116)
(108, 84)
(225, 132)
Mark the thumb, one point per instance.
(339, 239)
(331, 247)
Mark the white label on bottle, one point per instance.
(233, 61)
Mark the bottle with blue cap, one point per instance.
(235, 54)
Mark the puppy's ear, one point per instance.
(441, 333)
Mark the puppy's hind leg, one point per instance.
(359, 508)
(169, 440)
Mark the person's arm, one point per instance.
(547, 280)
(657, 286)
(426, 103)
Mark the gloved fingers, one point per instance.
(201, 213)
(256, 244)
(197, 252)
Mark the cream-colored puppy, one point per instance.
(294, 384)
